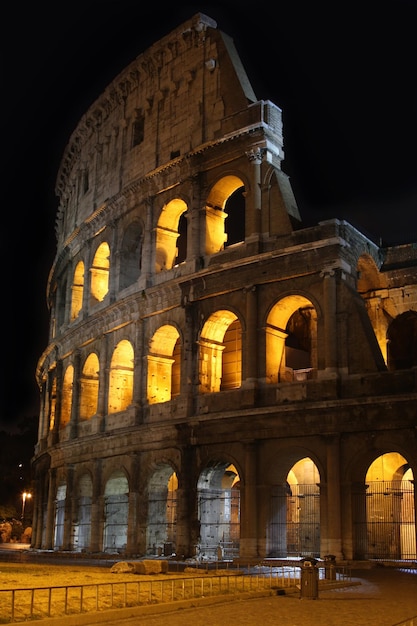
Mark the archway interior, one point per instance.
(390, 509)
(162, 512)
(219, 512)
(294, 524)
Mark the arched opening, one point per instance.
(225, 202)
(218, 492)
(66, 396)
(100, 273)
(220, 359)
(291, 340)
(121, 377)
(164, 363)
(294, 524)
(162, 512)
(61, 494)
(81, 524)
(171, 235)
(402, 341)
(130, 255)
(89, 387)
(385, 526)
(77, 290)
(116, 508)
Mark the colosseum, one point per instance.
(220, 382)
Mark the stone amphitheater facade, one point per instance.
(220, 382)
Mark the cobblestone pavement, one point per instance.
(380, 596)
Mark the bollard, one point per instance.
(329, 566)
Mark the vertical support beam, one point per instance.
(330, 327)
(50, 510)
(334, 527)
(250, 361)
(96, 509)
(254, 198)
(249, 505)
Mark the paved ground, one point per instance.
(380, 596)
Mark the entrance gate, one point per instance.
(384, 520)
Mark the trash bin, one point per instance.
(309, 586)
(329, 566)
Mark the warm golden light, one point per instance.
(25, 496)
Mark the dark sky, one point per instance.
(343, 73)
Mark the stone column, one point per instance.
(75, 396)
(138, 399)
(103, 385)
(249, 356)
(254, 198)
(249, 505)
(96, 509)
(334, 528)
(50, 511)
(132, 541)
(330, 327)
(69, 496)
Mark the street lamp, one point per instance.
(25, 496)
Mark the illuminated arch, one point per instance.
(291, 340)
(164, 364)
(168, 234)
(121, 377)
(390, 527)
(220, 353)
(66, 396)
(294, 524)
(77, 290)
(89, 387)
(100, 273)
(229, 187)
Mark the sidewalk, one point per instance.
(381, 596)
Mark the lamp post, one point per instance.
(25, 496)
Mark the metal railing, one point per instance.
(18, 605)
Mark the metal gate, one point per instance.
(384, 520)
(294, 528)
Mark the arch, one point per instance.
(220, 352)
(66, 396)
(121, 377)
(131, 255)
(218, 493)
(402, 341)
(77, 290)
(81, 523)
(89, 384)
(168, 234)
(164, 363)
(225, 201)
(388, 526)
(116, 509)
(293, 527)
(61, 494)
(161, 524)
(291, 340)
(100, 273)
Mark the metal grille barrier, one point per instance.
(19, 605)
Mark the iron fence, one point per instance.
(19, 605)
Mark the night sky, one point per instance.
(343, 73)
